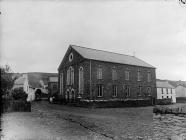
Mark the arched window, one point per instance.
(70, 76)
(81, 80)
(99, 72)
(149, 91)
(114, 74)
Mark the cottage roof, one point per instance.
(163, 84)
(53, 79)
(109, 56)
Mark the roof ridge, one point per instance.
(102, 50)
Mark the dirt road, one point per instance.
(59, 122)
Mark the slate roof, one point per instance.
(110, 56)
(163, 84)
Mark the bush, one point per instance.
(167, 101)
(19, 94)
(114, 103)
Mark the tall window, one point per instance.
(100, 90)
(139, 76)
(148, 77)
(61, 83)
(114, 90)
(70, 76)
(127, 75)
(99, 73)
(114, 74)
(127, 90)
(149, 90)
(81, 80)
(171, 90)
(162, 90)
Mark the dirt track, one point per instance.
(49, 121)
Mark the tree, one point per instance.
(7, 80)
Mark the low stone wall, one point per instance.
(15, 106)
(112, 104)
(170, 110)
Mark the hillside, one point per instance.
(36, 79)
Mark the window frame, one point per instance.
(114, 90)
(99, 88)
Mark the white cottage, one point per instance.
(165, 90)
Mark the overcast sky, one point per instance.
(36, 34)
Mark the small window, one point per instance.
(71, 57)
(114, 74)
(114, 90)
(100, 90)
(162, 97)
(99, 72)
(127, 75)
(167, 96)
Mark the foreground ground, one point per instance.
(59, 122)
(170, 126)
